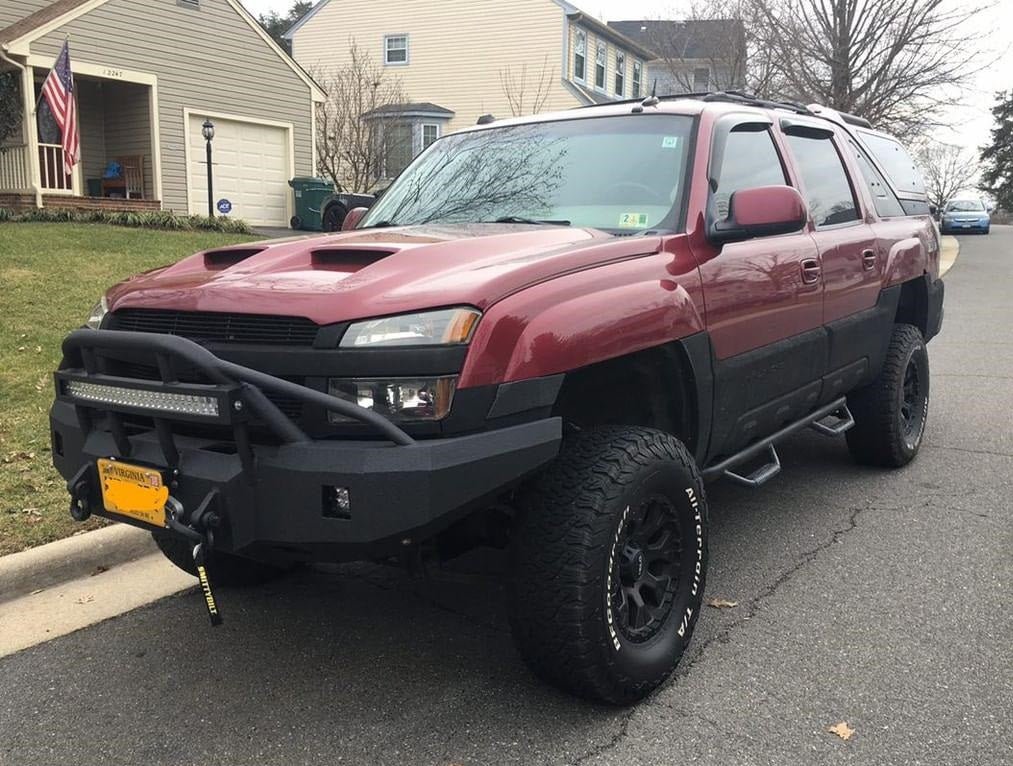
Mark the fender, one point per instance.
(586, 317)
(911, 257)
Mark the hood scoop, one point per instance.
(348, 259)
(217, 260)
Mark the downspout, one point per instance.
(32, 170)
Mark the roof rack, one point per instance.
(854, 119)
(729, 96)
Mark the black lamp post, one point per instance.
(208, 131)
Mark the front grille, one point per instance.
(215, 327)
(290, 406)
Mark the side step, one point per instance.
(842, 421)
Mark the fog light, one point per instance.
(336, 504)
(163, 401)
(397, 399)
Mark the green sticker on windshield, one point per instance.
(669, 142)
(633, 220)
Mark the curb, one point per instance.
(70, 558)
(949, 252)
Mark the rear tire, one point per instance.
(609, 557)
(891, 412)
(295, 222)
(225, 569)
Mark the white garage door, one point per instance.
(251, 170)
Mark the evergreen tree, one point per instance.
(276, 24)
(997, 157)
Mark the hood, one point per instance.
(375, 272)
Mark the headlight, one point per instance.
(397, 399)
(98, 312)
(430, 328)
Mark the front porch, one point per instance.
(117, 167)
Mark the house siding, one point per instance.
(92, 129)
(129, 135)
(456, 50)
(205, 59)
(15, 11)
(610, 62)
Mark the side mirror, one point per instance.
(759, 212)
(353, 217)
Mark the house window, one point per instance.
(395, 50)
(397, 148)
(600, 55)
(580, 55)
(620, 73)
(430, 132)
(701, 80)
(638, 75)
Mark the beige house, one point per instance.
(460, 59)
(148, 73)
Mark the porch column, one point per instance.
(31, 132)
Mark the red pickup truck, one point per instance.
(547, 336)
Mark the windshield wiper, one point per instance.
(520, 219)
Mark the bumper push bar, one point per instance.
(295, 498)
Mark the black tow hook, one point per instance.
(199, 529)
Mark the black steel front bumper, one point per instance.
(276, 501)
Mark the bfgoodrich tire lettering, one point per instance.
(619, 518)
(891, 413)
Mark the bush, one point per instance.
(161, 219)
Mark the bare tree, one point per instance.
(522, 98)
(893, 63)
(362, 102)
(948, 170)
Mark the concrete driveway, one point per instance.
(881, 599)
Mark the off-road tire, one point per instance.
(567, 605)
(225, 569)
(889, 425)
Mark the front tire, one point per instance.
(226, 569)
(609, 558)
(890, 413)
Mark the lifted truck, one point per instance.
(547, 335)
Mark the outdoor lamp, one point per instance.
(208, 131)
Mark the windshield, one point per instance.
(621, 174)
(965, 204)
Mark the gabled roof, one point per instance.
(411, 109)
(59, 12)
(693, 39)
(41, 18)
(606, 31)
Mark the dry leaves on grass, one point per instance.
(722, 603)
(842, 730)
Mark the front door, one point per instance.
(763, 301)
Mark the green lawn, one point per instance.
(51, 274)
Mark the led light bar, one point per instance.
(162, 401)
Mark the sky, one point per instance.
(971, 121)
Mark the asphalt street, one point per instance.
(882, 599)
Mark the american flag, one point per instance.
(58, 90)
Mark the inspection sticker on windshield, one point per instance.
(633, 220)
(669, 142)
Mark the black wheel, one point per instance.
(609, 556)
(225, 569)
(295, 222)
(334, 216)
(891, 412)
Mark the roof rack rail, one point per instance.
(730, 96)
(854, 119)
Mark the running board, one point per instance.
(772, 467)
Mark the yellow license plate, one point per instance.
(133, 491)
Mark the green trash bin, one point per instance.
(310, 195)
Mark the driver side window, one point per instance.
(750, 160)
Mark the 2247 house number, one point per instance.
(112, 73)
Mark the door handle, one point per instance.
(810, 271)
(868, 259)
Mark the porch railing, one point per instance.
(14, 173)
(51, 169)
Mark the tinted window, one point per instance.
(895, 161)
(827, 189)
(883, 198)
(750, 160)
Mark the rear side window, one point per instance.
(750, 160)
(886, 202)
(900, 169)
(828, 191)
